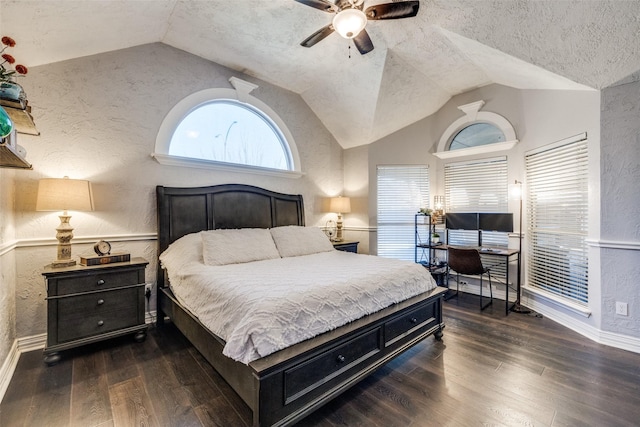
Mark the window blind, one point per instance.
(478, 186)
(402, 191)
(557, 206)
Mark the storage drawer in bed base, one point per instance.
(282, 388)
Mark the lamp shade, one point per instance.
(349, 22)
(340, 205)
(515, 191)
(61, 194)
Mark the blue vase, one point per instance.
(6, 125)
(12, 91)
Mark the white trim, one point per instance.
(470, 151)
(8, 368)
(473, 115)
(613, 244)
(559, 301)
(612, 339)
(5, 248)
(26, 243)
(34, 342)
(169, 160)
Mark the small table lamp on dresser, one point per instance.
(64, 194)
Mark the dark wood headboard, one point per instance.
(188, 210)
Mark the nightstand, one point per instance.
(86, 304)
(346, 245)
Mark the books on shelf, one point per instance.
(104, 259)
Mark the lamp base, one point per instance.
(517, 308)
(63, 263)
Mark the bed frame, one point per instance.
(287, 385)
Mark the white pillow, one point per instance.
(294, 240)
(222, 247)
(186, 249)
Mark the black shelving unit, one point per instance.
(425, 248)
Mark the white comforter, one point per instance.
(264, 306)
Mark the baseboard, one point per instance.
(611, 339)
(8, 368)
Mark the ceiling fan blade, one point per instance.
(323, 5)
(363, 42)
(319, 35)
(405, 9)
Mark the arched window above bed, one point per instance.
(227, 129)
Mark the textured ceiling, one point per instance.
(452, 46)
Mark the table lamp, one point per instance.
(64, 194)
(339, 205)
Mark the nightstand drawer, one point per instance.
(94, 282)
(87, 315)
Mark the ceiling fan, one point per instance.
(350, 19)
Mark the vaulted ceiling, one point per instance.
(450, 47)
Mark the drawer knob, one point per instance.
(100, 282)
(100, 301)
(414, 320)
(100, 322)
(340, 358)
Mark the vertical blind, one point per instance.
(402, 191)
(557, 204)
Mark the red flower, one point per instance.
(8, 58)
(21, 69)
(8, 41)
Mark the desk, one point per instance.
(509, 256)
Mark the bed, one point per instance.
(286, 385)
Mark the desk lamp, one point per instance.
(63, 194)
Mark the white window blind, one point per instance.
(557, 205)
(402, 191)
(477, 186)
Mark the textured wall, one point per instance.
(620, 204)
(99, 116)
(7, 265)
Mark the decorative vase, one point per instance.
(12, 91)
(6, 125)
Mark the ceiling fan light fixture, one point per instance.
(349, 22)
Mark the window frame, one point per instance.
(473, 116)
(241, 95)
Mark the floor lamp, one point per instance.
(515, 193)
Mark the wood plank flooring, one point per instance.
(519, 370)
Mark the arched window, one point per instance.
(477, 132)
(476, 135)
(227, 129)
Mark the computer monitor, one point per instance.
(502, 222)
(461, 221)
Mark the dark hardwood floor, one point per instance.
(488, 370)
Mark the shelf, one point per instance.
(22, 119)
(9, 154)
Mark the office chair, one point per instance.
(467, 261)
